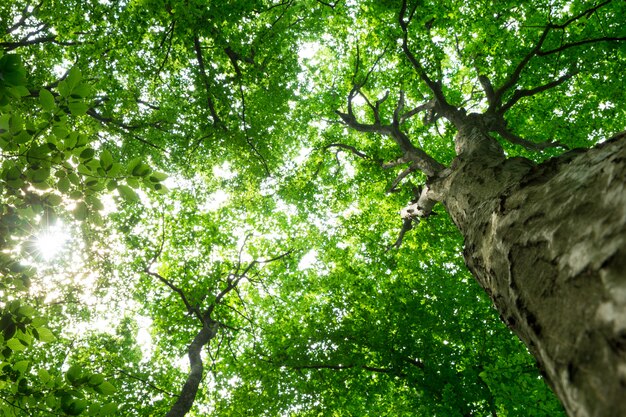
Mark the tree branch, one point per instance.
(126, 128)
(518, 94)
(536, 51)
(579, 43)
(205, 79)
(531, 146)
(347, 147)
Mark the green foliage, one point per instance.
(104, 106)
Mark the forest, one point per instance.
(313, 208)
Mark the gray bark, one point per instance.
(548, 244)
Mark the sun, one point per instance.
(51, 240)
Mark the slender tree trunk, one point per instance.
(196, 371)
(548, 244)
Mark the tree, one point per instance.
(537, 238)
(284, 276)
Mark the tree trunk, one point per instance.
(548, 244)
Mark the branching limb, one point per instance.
(536, 50)
(24, 16)
(442, 105)
(517, 72)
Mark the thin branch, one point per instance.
(126, 128)
(579, 43)
(144, 381)
(10, 46)
(342, 367)
(205, 79)
(169, 34)
(407, 224)
(347, 147)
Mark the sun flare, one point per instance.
(51, 241)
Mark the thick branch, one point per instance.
(518, 94)
(531, 146)
(485, 82)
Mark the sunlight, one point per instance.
(51, 240)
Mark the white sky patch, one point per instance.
(215, 201)
(606, 105)
(224, 171)
(144, 338)
(308, 50)
(308, 260)
(302, 155)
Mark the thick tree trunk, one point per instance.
(548, 244)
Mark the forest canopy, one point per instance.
(203, 204)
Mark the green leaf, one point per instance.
(87, 153)
(44, 375)
(21, 366)
(96, 379)
(15, 345)
(158, 176)
(73, 373)
(77, 108)
(54, 199)
(108, 409)
(63, 185)
(45, 335)
(127, 193)
(47, 100)
(73, 78)
(64, 89)
(81, 211)
(20, 91)
(106, 388)
(106, 160)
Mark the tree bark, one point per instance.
(548, 244)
